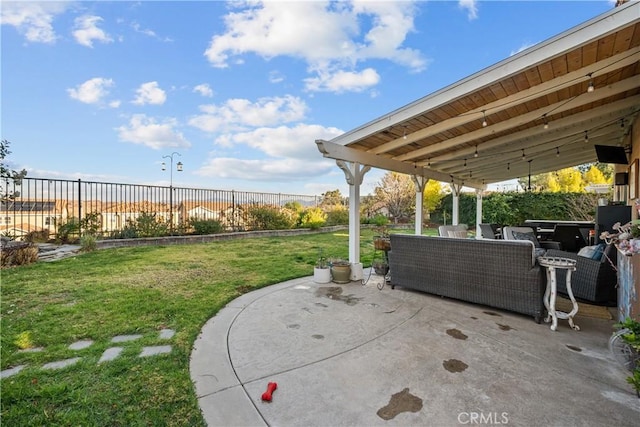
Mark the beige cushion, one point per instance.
(443, 230)
(462, 234)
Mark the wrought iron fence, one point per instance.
(43, 205)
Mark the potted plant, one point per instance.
(625, 344)
(381, 241)
(321, 271)
(340, 271)
(380, 267)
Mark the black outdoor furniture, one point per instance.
(497, 273)
(594, 280)
(490, 231)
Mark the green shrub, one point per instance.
(91, 223)
(313, 218)
(270, 218)
(148, 225)
(69, 231)
(128, 232)
(41, 236)
(379, 220)
(337, 217)
(88, 243)
(206, 226)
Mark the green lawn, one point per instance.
(98, 295)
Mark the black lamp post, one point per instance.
(179, 169)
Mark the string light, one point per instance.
(484, 119)
(523, 156)
(586, 136)
(476, 153)
(546, 122)
(404, 135)
(557, 152)
(508, 166)
(591, 87)
(465, 163)
(429, 162)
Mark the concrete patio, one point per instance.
(359, 356)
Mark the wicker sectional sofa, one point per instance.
(498, 273)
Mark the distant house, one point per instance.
(20, 217)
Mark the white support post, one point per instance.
(420, 182)
(354, 173)
(478, 213)
(455, 215)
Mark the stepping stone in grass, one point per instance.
(110, 354)
(166, 334)
(80, 345)
(11, 371)
(61, 363)
(152, 351)
(124, 338)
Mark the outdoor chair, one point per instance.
(595, 278)
(527, 233)
(490, 231)
(569, 236)
(460, 230)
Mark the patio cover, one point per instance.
(528, 114)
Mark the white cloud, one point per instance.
(343, 81)
(92, 91)
(292, 154)
(276, 76)
(86, 31)
(241, 113)
(292, 142)
(146, 131)
(471, 6)
(279, 170)
(150, 93)
(148, 32)
(329, 36)
(32, 19)
(204, 90)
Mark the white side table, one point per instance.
(551, 264)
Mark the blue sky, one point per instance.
(101, 91)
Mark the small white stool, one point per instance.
(553, 263)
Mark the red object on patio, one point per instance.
(266, 396)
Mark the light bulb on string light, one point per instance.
(591, 87)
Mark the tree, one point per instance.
(7, 174)
(331, 199)
(594, 176)
(432, 195)
(570, 180)
(397, 193)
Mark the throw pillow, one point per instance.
(592, 252)
(517, 235)
(460, 234)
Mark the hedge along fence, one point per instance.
(514, 208)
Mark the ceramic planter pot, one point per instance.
(341, 272)
(321, 275)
